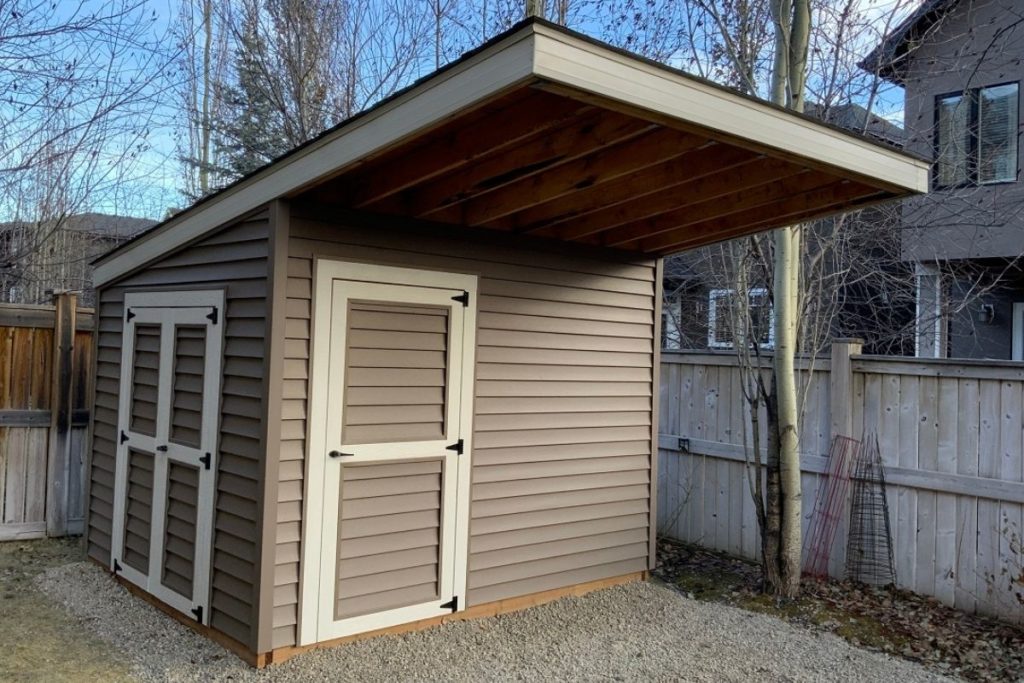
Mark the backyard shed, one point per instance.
(407, 371)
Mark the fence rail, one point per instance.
(951, 435)
(45, 354)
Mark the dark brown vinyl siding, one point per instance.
(562, 441)
(234, 259)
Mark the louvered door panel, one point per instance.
(145, 378)
(187, 388)
(396, 365)
(390, 536)
(180, 528)
(138, 511)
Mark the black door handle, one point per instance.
(339, 454)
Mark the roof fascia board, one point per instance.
(493, 70)
(581, 65)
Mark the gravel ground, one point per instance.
(640, 631)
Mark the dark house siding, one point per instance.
(968, 48)
(234, 259)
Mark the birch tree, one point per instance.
(792, 22)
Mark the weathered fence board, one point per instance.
(951, 436)
(45, 355)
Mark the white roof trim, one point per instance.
(582, 65)
(536, 51)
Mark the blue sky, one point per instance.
(158, 174)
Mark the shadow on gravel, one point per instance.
(42, 641)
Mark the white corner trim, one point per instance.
(582, 65)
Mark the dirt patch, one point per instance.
(883, 619)
(41, 641)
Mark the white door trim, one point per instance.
(364, 281)
(169, 310)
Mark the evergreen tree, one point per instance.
(250, 133)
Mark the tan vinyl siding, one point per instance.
(389, 528)
(180, 534)
(235, 259)
(562, 405)
(139, 511)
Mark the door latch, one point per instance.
(339, 454)
(162, 449)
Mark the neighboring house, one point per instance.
(959, 62)
(699, 298)
(39, 257)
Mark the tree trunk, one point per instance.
(784, 506)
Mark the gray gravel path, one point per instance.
(640, 631)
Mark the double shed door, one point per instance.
(392, 372)
(167, 438)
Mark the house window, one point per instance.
(976, 136)
(723, 315)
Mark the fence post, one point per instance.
(841, 386)
(61, 396)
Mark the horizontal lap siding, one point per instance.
(561, 459)
(235, 259)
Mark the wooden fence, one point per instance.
(45, 356)
(951, 435)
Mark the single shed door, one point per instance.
(167, 425)
(392, 366)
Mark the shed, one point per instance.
(408, 371)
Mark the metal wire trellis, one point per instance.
(869, 552)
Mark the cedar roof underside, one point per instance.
(548, 164)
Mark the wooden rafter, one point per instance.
(790, 210)
(600, 165)
(487, 135)
(494, 173)
(757, 191)
(705, 186)
(545, 218)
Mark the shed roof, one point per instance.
(543, 131)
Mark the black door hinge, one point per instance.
(212, 316)
(462, 298)
(128, 315)
(458, 447)
(124, 437)
(198, 612)
(452, 604)
(117, 566)
(206, 460)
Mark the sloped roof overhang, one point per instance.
(548, 133)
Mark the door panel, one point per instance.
(389, 410)
(139, 511)
(389, 500)
(164, 483)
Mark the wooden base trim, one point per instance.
(227, 642)
(489, 609)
